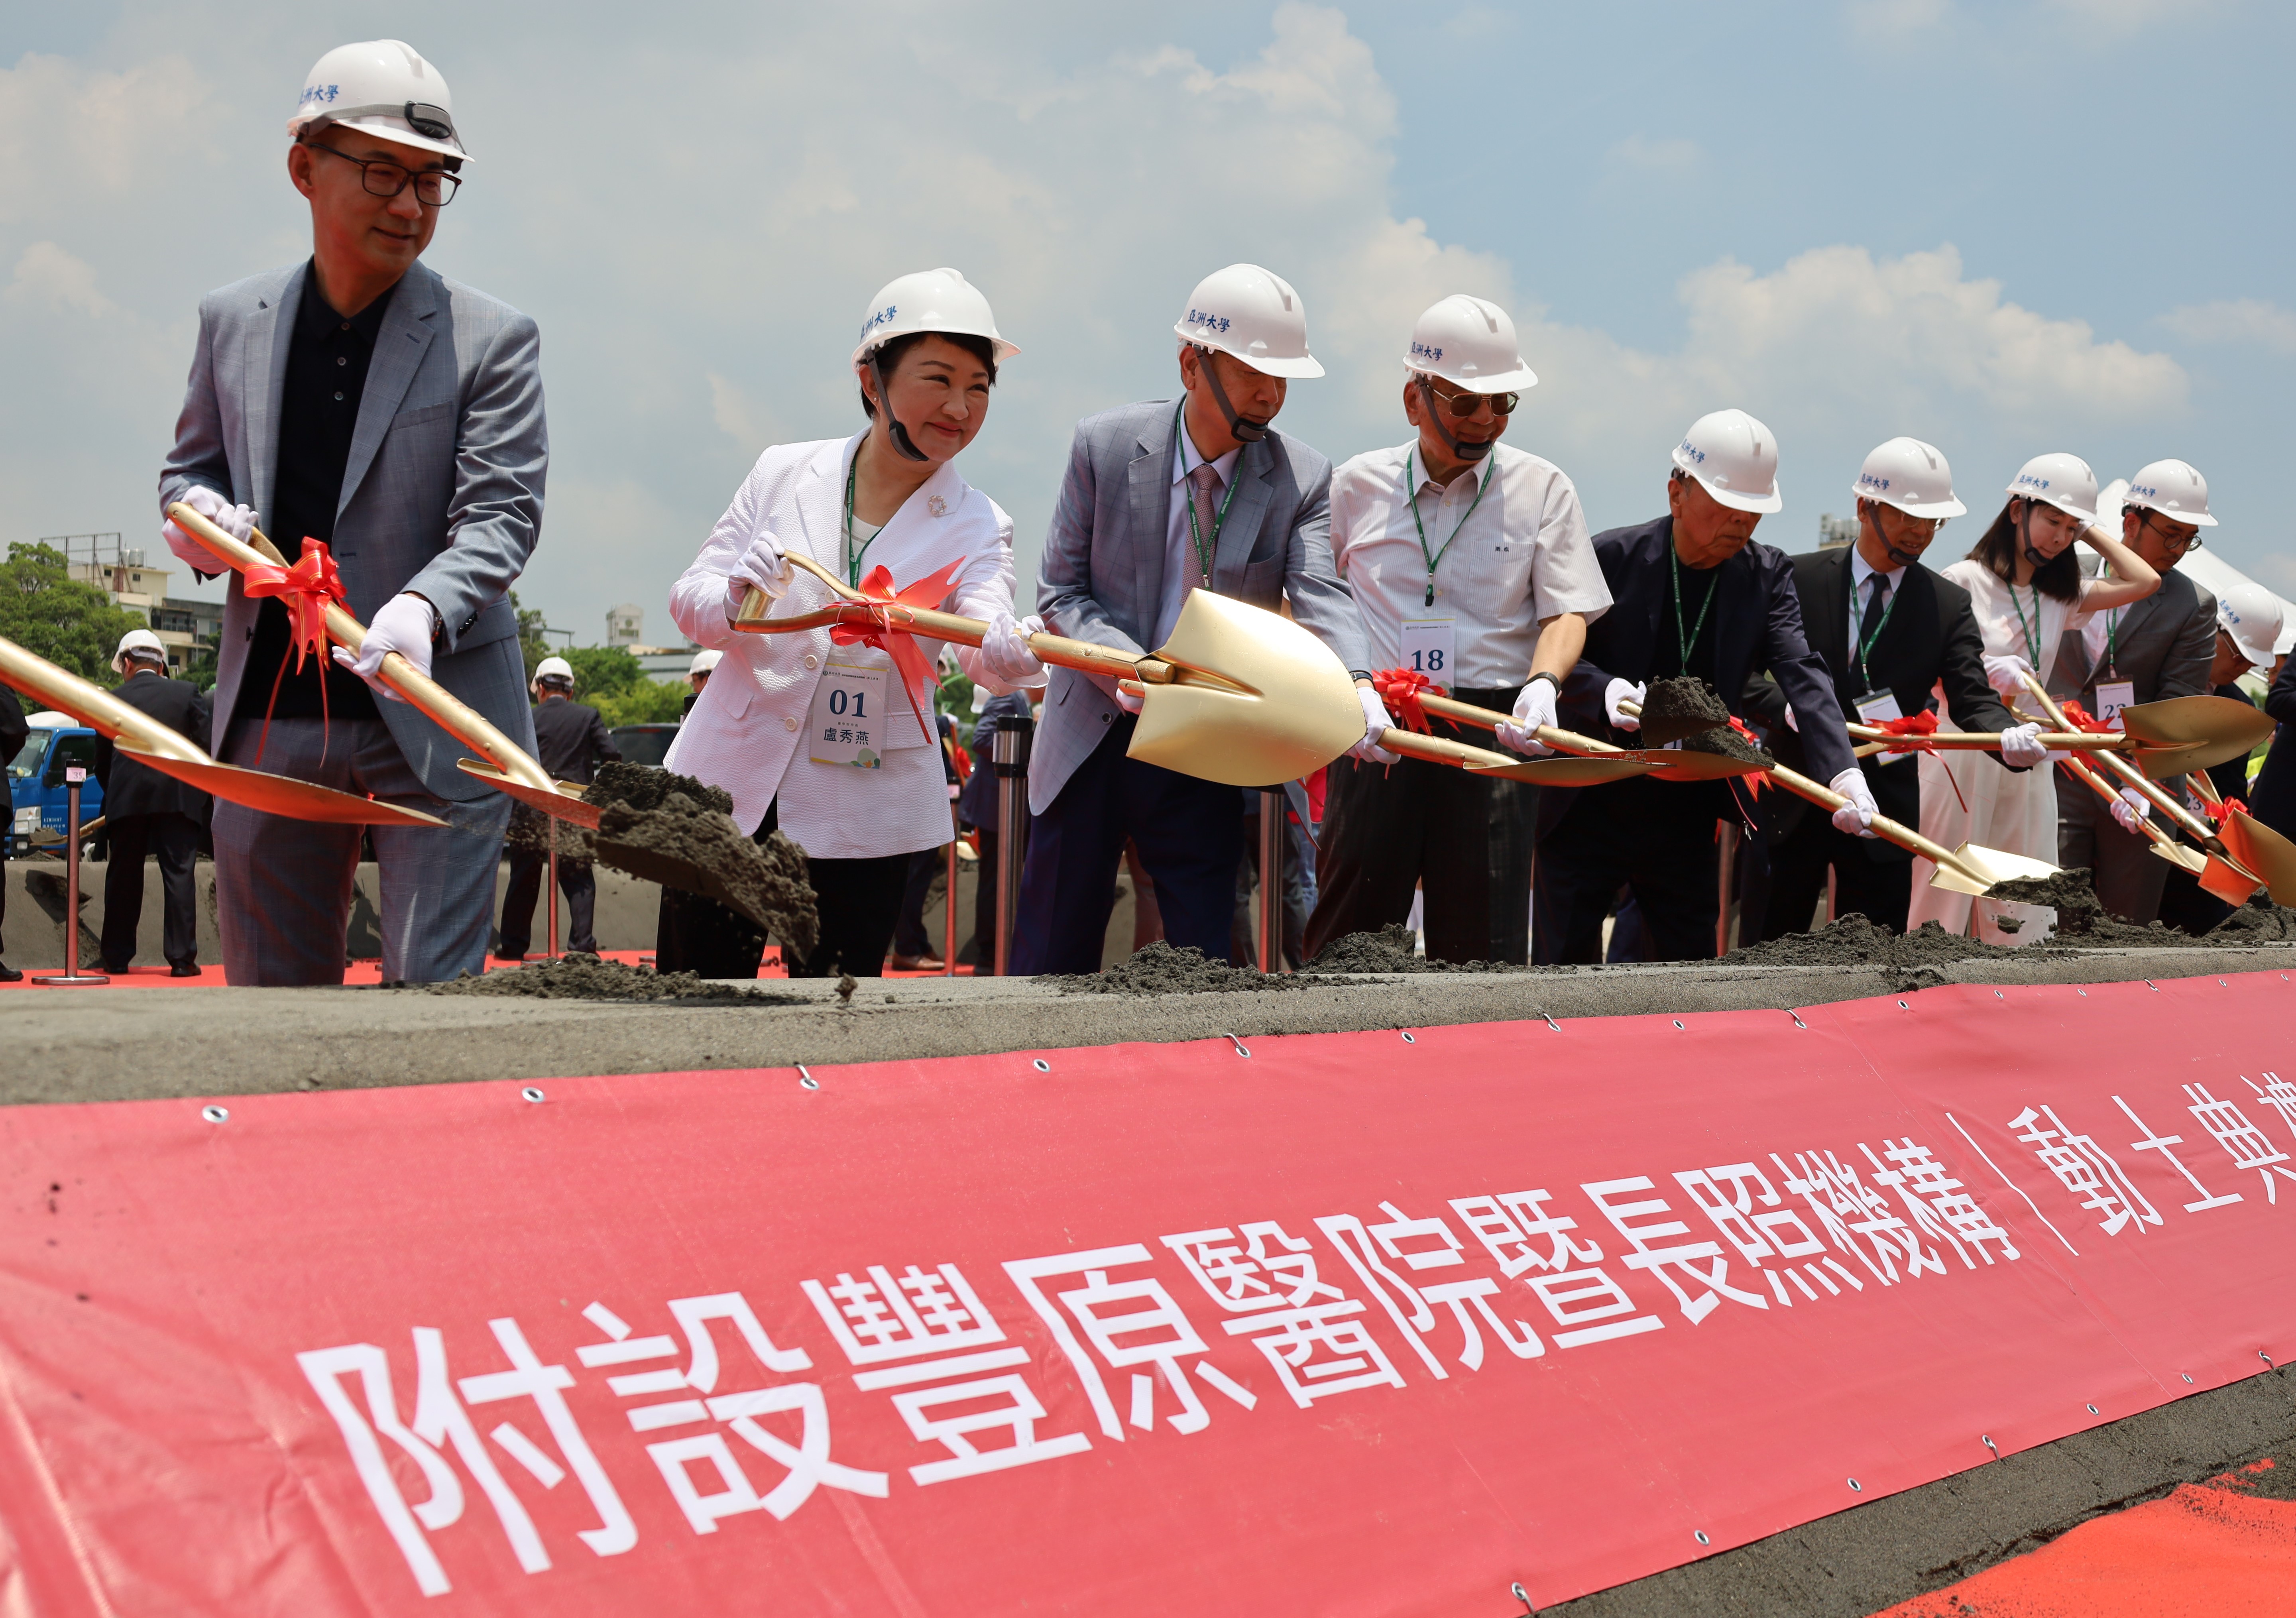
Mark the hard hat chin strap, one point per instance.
(2025, 537)
(902, 445)
(1242, 429)
(1889, 548)
(1462, 450)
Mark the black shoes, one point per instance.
(183, 969)
(9, 974)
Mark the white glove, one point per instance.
(2002, 673)
(1855, 817)
(2021, 745)
(1792, 724)
(1626, 690)
(1128, 701)
(237, 521)
(764, 565)
(1376, 723)
(2132, 807)
(1534, 706)
(1004, 649)
(402, 625)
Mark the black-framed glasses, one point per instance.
(433, 187)
(1467, 404)
(2169, 537)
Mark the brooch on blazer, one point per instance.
(937, 505)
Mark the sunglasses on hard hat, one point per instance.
(433, 187)
(1467, 404)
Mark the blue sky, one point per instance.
(2008, 228)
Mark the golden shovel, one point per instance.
(1660, 763)
(509, 768)
(145, 740)
(2165, 739)
(1238, 694)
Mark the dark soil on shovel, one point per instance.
(674, 830)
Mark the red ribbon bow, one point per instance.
(1400, 689)
(2079, 719)
(916, 674)
(2221, 812)
(305, 589)
(1755, 782)
(1912, 727)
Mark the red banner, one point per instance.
(1376, 1323)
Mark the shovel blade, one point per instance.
(2186, 857)
(2216, 728)
(2226, 881)
(1569, 771)
(1271, 703)
(564, 804)
(1685, 764)
(278, 795)
(2263, 850)
(1988, 866)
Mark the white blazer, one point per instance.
(747, 732)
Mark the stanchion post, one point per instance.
(554, 885)
(948, 922)
(1726, 866)
(1271, 879)
(1014, 737)
(75, 774)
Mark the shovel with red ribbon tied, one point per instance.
(2162, 739)
(1407, 693)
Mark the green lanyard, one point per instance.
(2032, 630)
(1204, 549)
(1411, 492)
(853, 560)
(1865, 645)
(1685, 643)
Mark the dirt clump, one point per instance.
(1855, 939)
(1157, 968)
(1684, 706)
(1729, 744)
(674, 830)
(2260, 921)
(1389, 949)
(589, 977)
(2083, 923)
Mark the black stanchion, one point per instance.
(74, 775)
(1014, 737)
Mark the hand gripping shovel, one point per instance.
(145, 740)
(1663, 763)
(1238, 694)
(509, 768)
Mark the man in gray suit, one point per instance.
(2160, 647)
(361, 399)
(1160, 499)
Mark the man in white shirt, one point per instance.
(1470, 564)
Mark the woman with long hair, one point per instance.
(2026, 587)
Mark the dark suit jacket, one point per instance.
(2164, 645)
(1756, 619)
(572, 738)
(1931, 637)
(130, 788)
(2274, 800)
(13, 731)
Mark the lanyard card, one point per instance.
(1879, 708)
(846, 720)
(2111, 697)
(1431, 646)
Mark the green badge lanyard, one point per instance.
(1867, 645)
(1674, 560)
(2032, 630)
(1204, 548)
(852, 559)
(1411, 490)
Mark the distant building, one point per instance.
(185, 627)
(1835, 532)
(625, 626)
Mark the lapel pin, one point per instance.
(937, 505)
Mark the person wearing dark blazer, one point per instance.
(13, 734)
(573, 742)
(1691, 594)
(149, 814)
(1912, 632)
(2248, 626)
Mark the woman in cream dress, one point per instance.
(2025, 586)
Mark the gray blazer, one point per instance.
(1102, 575)
(442, 494)
(2165, 644)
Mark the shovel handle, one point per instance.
(448, 711)
(1986, 741)
(91, 704)
(1467, 713)
(2206, 835)
(1438, 750)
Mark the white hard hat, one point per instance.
(703, 663)
(1735, 457)
(384, 87)
(2251, 614)
(2060, 480)
(1470, 343)
(2174, 489)
(1910, 475)
(930, 300)
(138, 640)
(554, 669)
(1253, 315)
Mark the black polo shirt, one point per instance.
(327, 358)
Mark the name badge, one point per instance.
(1879, 708)
(848, 718)
(2111, 697)
(1431, 647)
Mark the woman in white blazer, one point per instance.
(818, 738)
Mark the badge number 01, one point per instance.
(846, 724)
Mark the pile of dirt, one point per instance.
(1730, 744)
(1389, 949)
(2083, 923)
(587, 977)
(2260, 921)
(1684, 706)
(1855, 941)
(674, 830)
(1160, 969)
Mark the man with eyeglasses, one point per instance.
(2160, 647)
(1889, 631)
(1471, 567)
(361, 399)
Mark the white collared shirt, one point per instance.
(1521, 555)
(1183, 571)
(1861, 593)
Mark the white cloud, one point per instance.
(1896, 18)
(51, 279)
(2236, 320)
